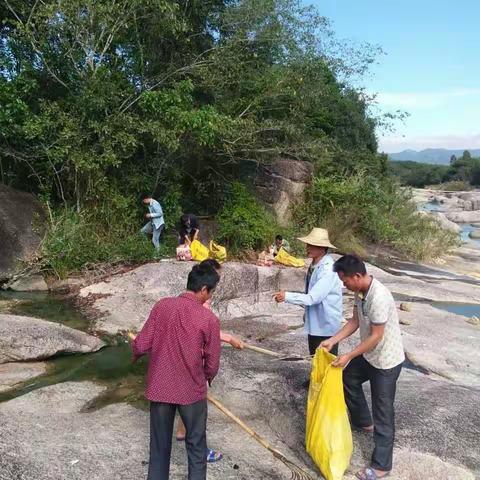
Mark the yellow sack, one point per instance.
(328, 438)
(285, 258)
(199, 251)
(217, 251)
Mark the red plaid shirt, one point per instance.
(183, 341)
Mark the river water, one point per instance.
(111, 366)
(466, 227)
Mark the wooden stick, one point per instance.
(239, 422)
(297, 472)
(263, 350)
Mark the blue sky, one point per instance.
(431, 68)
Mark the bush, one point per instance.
(243, 223)
(108, 234)
(453, 186)
(361, 209)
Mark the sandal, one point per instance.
(213, 456)
(370, 474)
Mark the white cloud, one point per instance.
(405, 100)
(393, 144)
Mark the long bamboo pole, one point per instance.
(298, 473)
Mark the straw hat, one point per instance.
(317, 237)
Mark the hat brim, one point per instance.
(318, 243)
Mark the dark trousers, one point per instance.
(314, 342)
(194, 416)
(383, 386)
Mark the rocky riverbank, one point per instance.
(451, 208)
(63, 431)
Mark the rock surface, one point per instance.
(125, 301)
(19, 212)
(67, 442)
(457, 359)
(464, 217)
(437, 412)
(282, 182)
(464, 260)
(27, 338)
(33, 283)
(445, 222)
(51, 433)
(12, 374)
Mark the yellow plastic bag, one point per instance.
(199, 251)
(329, 437)
(285, 258)
(218, 252)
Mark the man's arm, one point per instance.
(233, 341)
(317, 294)
(378, 316)
(348, 329)
(368, 344)
(157, 211)
(143, 341)
(211, 353)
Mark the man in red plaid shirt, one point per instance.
(182, 339)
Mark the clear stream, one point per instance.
(112, 366)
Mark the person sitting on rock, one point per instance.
(378, 358)
(235, 342)
(280, 242)
(189, 229)
(323, 292)
(156, 223)
(182, 339)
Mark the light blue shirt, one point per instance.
(323, 302)
(156, 213)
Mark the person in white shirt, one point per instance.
(378, 359)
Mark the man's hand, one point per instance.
(148, 215)
(341, 361)
(279, 297)
(327, 344)
(236, 343)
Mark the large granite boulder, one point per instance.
(282, 182)
(31, 283)
(464, 216)
(444, 222)
(125, 300)
(472, 200)
(21, 220)
(27, 338)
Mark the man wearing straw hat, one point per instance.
(323, 292)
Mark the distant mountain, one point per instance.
(431, 155)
